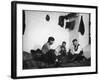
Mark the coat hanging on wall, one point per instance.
(81, 26)
(61, 21)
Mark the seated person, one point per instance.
(61, 51)
(76, 51)
(46, 46)
(48, 53)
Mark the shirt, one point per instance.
(73, 51)
(46, 48)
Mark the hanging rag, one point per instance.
(81, 26)
(61, 21)
(70, 25)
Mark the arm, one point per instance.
(57, 50)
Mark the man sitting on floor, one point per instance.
(76, 51)
(46, 46)
(48, 53)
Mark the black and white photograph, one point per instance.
(56, 39)
(53, 39)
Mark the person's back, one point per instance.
(45, 48)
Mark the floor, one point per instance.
(30, 63)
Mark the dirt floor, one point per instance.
(34, 62)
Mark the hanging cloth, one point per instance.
(81, 26)
(61, 21)
(70, 25)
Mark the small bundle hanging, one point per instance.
(47, 17)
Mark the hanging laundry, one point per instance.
(81, 26)
(70, 25)
(71, 15)
(61, 21)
